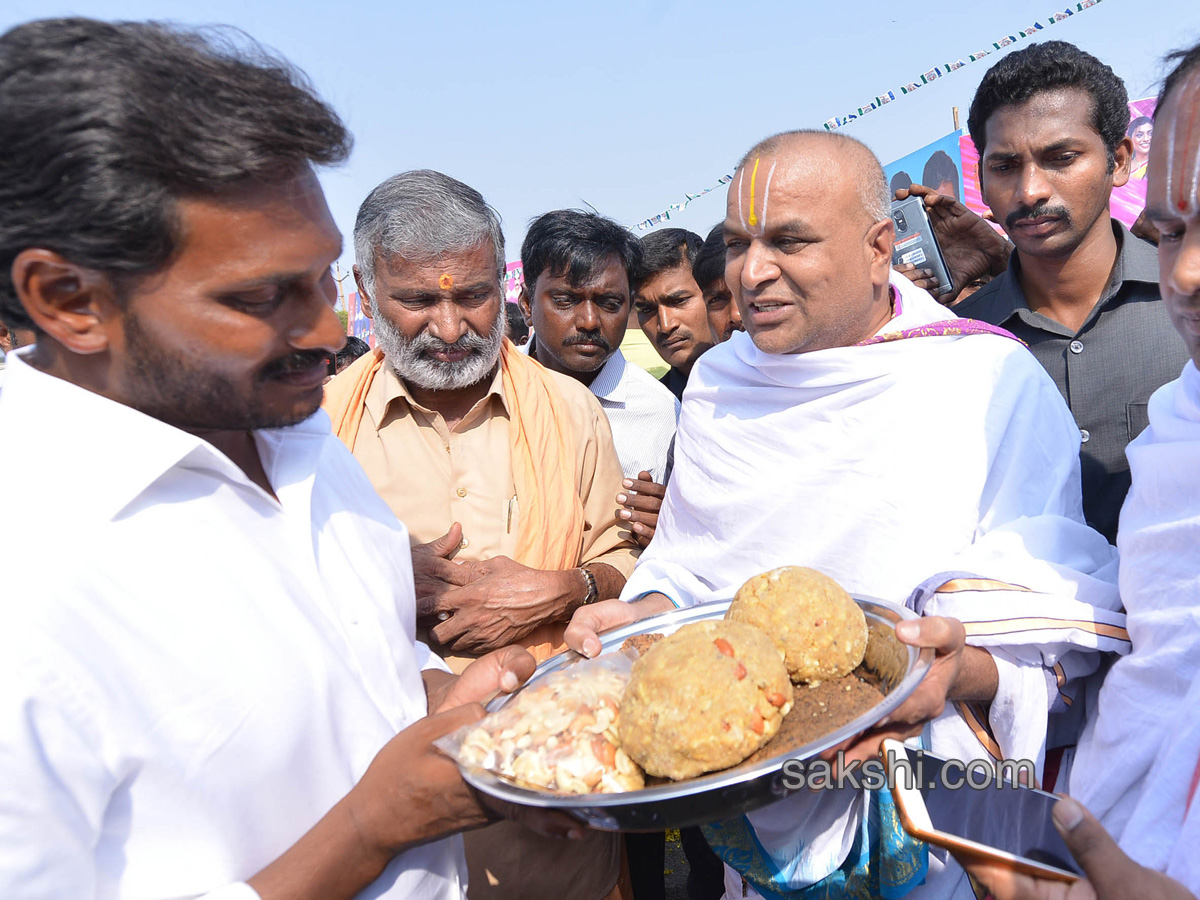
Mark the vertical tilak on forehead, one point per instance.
(753, 220)
(741, 175)
(1183, 193)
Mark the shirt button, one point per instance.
(463, 544)
(1076, 346)
(462, 492)
(1084, 435)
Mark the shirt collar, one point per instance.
(610, 383)
(103, 454)
(1137, 260)
(394, 390)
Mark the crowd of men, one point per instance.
(243, 598)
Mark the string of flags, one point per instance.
(945, 69)
(889, 96)
(676, 207)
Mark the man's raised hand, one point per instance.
(971, 247)
(640, 502)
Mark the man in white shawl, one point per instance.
(1138, 764)
(859, 428)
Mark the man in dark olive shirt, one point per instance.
(1079, 289)
(1106, 369)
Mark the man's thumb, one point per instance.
(448, 542)
(1093, 848)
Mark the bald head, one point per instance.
(808, 243)
(835, 153)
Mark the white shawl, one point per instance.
(1123, 771)
(893, 467)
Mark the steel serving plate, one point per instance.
(730, 792)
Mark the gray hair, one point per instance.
(873, 190)
(421, 215)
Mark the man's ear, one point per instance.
(74, 305)
(365, 303)
(1122, 162)
(525, 305)
(881, 242)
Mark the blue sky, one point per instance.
(627, 106)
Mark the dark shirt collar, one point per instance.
(1137, 260)
(674, 381)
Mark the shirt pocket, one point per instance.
(1137, 417)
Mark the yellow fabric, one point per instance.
(346, 395)
(543, 462)
(639, 351)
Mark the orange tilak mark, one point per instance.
(446, 282)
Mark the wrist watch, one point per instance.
(592, 595)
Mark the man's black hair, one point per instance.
(709, 265)
(572, 243)
(1185, 61)
(663, 250)
(107, 125)
(1052, 66)
(940, 168)
(352, 350)
(518, 331)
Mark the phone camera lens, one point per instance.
(901, 224)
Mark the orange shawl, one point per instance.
(541, 435)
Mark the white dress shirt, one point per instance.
(192, 672)
(641, 412)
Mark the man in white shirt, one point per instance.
(576, 296)
(578, 268)
(817, 438)
(209, 683)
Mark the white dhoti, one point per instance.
(895, 468)
(1137, 761)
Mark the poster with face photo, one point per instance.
(1127, 201)
(937, 165)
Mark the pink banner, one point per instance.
(513, 281)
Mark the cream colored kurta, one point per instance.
(432, 476)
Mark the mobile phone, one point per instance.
(916, 243)
(984, 818)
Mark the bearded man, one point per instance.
(505, 469)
